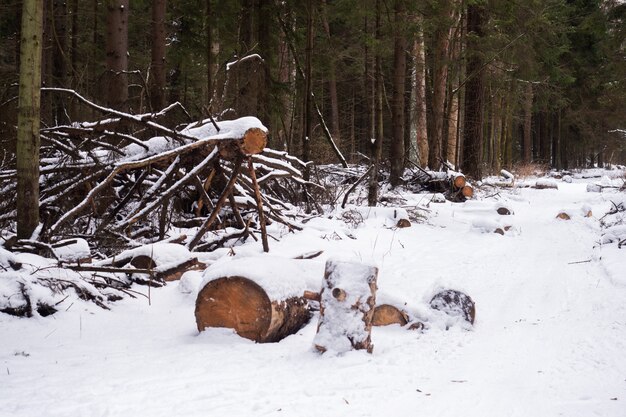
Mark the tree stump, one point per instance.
(347, 303)
(241, 304)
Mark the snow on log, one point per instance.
(347, 303)
(544, 184)
(261, 298)
(168, 261)
(386, 314)
(455, 304)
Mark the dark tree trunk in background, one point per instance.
(29, 119)
(60, 58)
(440, 79)
(332, 84)
(266, 50)
(528, 124)
(474, 95)
(117, 53)
(377, 121)
(399, 58)
(157, 65)
(308, 86)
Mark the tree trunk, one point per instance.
(332, 84)
(308, 88)
(452, 113)
(243, 305)
(397, 110)
(265, 26)
(377, 117)
(158, 68)
(440, 79)
(420, 100)
(528, 124)
(474, 94)
(117, 53)
(348, 299)
(28, 119)
(60, 58)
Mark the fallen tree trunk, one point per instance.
(347, 303)
(242, 304)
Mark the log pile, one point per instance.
(452, 184)
(126, 179)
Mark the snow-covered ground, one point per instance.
(549, 337)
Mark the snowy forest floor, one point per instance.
(549, 338)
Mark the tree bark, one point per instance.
(420, 100)
(60, 57)
(117, 53)
(332, 83)
(377, 117)
(29, 119)
(397, 110)
(474, 95)
(440, 79)
(308, 86)
(528, 120)
(157, 65)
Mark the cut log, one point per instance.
(402, 223)
(458, 181)
(253, 142)
(386, 314)
(454, 303)
(243, 305)
(467, 191)
(563, 216)
(347, 303)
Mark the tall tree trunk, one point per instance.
(60, 58)
(421, 130)
(440, 79)
(372, 197)
(157, 79)
(528, 120)
(408, 111)
(308, 88)
(265, 26)
(332, 83)
(29, 119)
(397, 110)
(474, 94)
(246, 32)
(452, 113)
(556, 150)
(117, 53)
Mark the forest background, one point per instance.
(481, 84)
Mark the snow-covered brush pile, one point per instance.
(126, 179)
(614, 222)
(34, 285)
(351, 185)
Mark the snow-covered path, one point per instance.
(549, 339)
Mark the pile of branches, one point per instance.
(126, 180)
